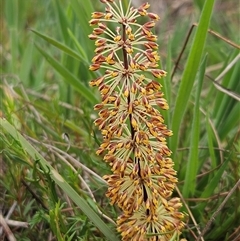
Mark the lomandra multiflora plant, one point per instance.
(133, 129)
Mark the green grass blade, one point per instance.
(228, 82)
(62, 19)
(60, 46)
(210, 139)
(232, 120)
(83, 10)
(211, 186)
(190, 72)
(192, 163)
(166, 84)
(25, 64)
(79, 47)
(223, 227)
(59, 180)
(69, 77)
(12, 10)
(38, 80)
(226, 105)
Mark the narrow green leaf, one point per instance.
(210, 138)
(83, 12)
(26, 64)
(224, 108)
(211, 186)
(14, 49)
(12, 15)
(231, 122)
(75, 128)
(192, 163)
(69, 77)
(62, 19)
(224, 227)
(79, 47)
(11, 11)
(228, 82)
(39, 76)
(166, 84)
(59, 45)
(54, 223)
(189, 73)
(59, 180)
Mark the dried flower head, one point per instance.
(133, 129)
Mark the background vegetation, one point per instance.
(54, 191)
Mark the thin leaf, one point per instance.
(25, 64)
(166, 84)
(189, 73)
(192, 163)
(79, 47)
(211, 186)
(83, 10)
(232, 121)
(62, 19)
(69, 77)
(211, 150)
(11, 9)
(59, 45)
(227, 103)
(224, 227)
(220, 99)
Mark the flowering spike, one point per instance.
(133, 129)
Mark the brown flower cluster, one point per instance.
(133, 129)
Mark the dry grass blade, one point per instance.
(190, 214)
(18, 224)
(75, 162)
(223, 89)
(6, 229)
(228, 92)
(207, 227)
(187, 39)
